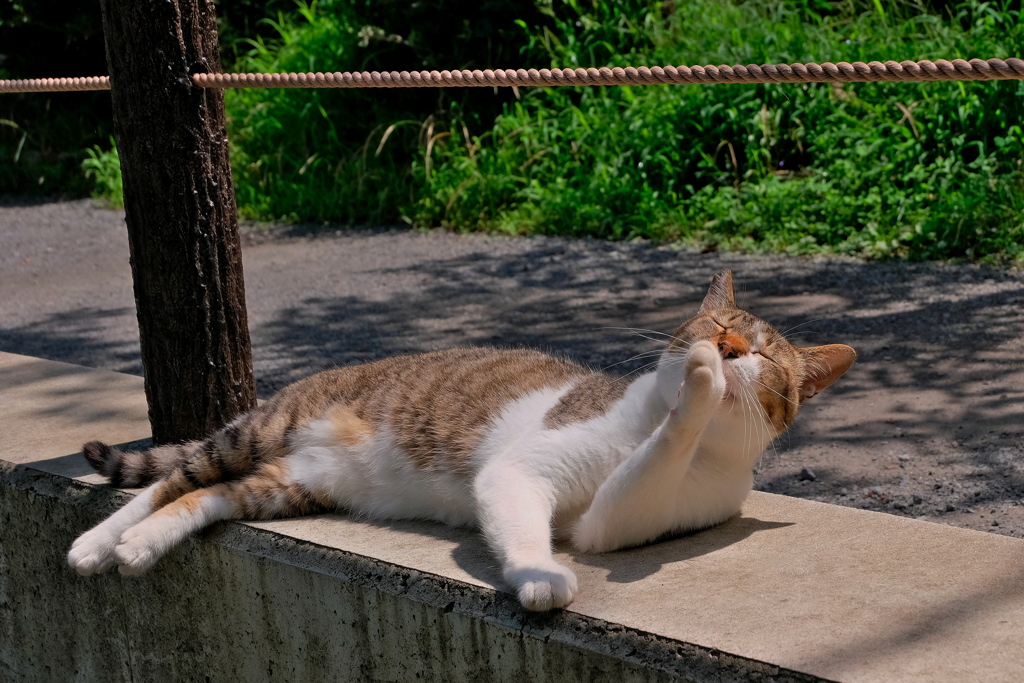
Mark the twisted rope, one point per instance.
(842, 72)
(56, 84)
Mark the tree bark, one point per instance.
(180, 210)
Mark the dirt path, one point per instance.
(929, 423)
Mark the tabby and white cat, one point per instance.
(523, 445)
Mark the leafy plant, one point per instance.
(104, 168)
(42, 151)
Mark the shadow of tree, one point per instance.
(80, 336)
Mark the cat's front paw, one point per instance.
(543, 587)
(93, 552)
(705, 379)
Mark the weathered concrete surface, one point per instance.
(790, 590)
(249, 605)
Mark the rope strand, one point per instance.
(841, 72)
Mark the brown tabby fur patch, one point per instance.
(440, 403)
(436, 405)
(591, 397)
(175, 486)
(265, 494)
(186, 504)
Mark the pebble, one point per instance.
(807, 474)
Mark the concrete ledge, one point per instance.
(790, 590)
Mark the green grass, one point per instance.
(877, 170)
(103, 167)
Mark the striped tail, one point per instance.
(137, 468)
(231, 452)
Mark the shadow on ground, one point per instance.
(77, 336)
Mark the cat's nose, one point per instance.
(732, 347)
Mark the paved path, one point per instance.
(929, 422)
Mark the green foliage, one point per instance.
(104, 168)
(879, 170)
(346, 154)
(41, 143)
(930, 170)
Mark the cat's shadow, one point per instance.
(636, 564)
(623, 566)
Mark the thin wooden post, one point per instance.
(181, 215)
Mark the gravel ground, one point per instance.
(927, 424)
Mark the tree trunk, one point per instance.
(180, 209)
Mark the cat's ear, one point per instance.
(720, 294)
(824, 365)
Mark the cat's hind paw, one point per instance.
(543, 588)
(138, 551)
(93, 552)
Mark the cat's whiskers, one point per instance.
(784, 398)
(644, 354)
(765, 422)
(757, 426)
(790, 329)
(746, 426)
(750, 397)
(639, 369)
(638, 330)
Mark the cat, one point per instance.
(525, 446)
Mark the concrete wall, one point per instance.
(250, 605)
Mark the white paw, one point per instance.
(138, 550)
(93, 552)
(705, 380)
(544, 587)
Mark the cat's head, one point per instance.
(763, 370)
